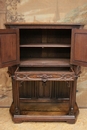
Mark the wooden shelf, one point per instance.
(45, 62)
(46, 45)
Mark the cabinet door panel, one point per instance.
(9, 47)
(79, 47)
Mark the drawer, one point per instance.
(44, 74)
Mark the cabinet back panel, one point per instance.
(31, 36)
(44, 53)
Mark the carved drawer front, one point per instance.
(34, 75)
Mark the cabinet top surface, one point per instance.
(12, 23)
(66, 25)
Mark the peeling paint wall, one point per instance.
(47, 11)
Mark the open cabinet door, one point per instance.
(9, 47)
(79, 47)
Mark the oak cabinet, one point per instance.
(44, 62)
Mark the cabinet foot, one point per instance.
(71, 111)
(71, 121)
(16, 121)
(17, 111)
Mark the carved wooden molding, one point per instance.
(45, 77)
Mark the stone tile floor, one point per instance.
(7, 124)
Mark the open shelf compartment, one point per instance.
(45, 38)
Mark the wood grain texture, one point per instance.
(9, 56)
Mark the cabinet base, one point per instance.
(38, 112)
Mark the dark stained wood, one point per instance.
(16, 98)
(45, 112)
(52, 53)
(79, 47)
(46, 100)
(52, 91)
(45, 62)
(9, 47)
(45, 36)
(45, 75)
(44, 83)
(44, 25)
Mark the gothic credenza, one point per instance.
(44, 62)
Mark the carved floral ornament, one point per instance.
(11, 14)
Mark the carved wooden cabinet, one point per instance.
(44, 63)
